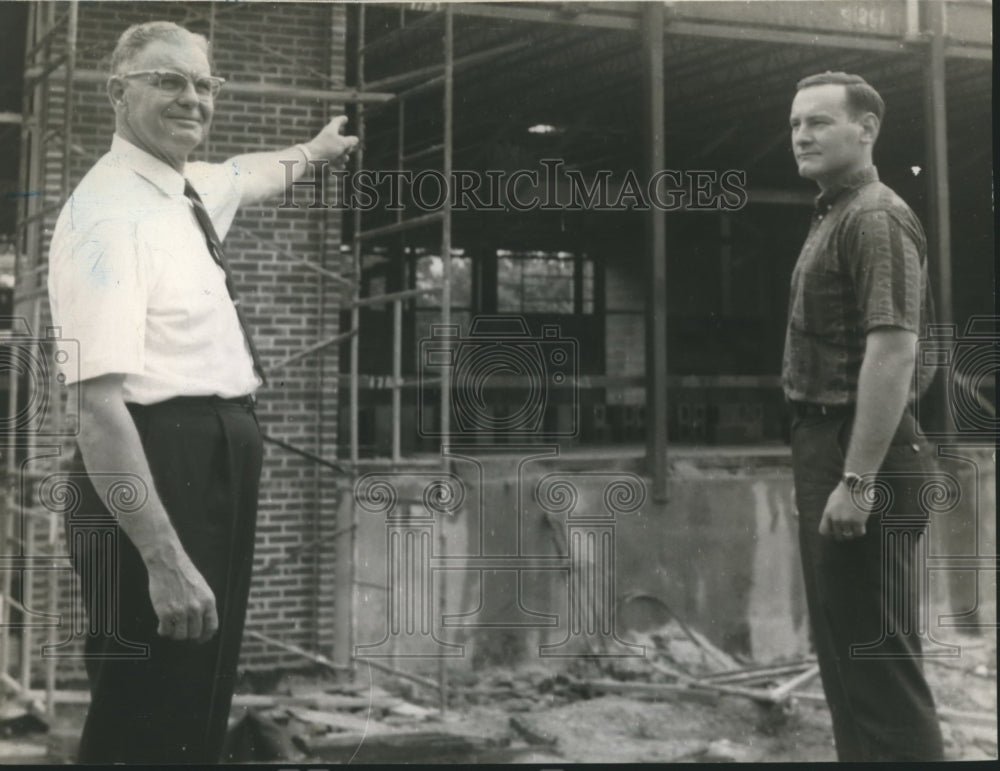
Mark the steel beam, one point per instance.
(938, 193)
(348, 95)
(406, 294)
(935, 88)
(791, 37)
(448, 107)
(338, 338)
(399, 227)
(428, 73)
(396, 36)
(656, 255)
(954, 50)
(537, 15)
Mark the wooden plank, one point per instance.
(665, 689)
(340, 721)
(757, 673)
(15, 751)
(397, 747)
(957, 716)
(780, 692)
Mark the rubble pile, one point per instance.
(307, 720)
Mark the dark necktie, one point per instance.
(219, 255)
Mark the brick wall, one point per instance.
(288, 307)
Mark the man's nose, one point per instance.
(188, 95)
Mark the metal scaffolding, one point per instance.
(411, 83)
(35, 439)
(415, 82)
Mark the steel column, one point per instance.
(656, 256)
(359, 157)
(937, 156)
(448, 105)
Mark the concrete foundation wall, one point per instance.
(721, 554)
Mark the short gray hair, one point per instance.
(138, 36)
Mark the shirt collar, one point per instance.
(852, 181)
(128, 156)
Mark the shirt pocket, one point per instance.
(826, 305)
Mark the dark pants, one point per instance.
(172, 705)
(862, 592)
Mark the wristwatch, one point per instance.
(852, 481)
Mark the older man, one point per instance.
(859, 297)
(167, 375)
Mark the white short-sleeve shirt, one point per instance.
(131, 278)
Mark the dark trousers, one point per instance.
(863, 592)
(172, 704)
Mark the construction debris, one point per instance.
(256, 737)
(16, 721)
(533, 736)
(725, 751)
(17, 752)
(305, 718)
(677, 649)
(398, 747)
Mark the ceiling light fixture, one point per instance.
(544, 128)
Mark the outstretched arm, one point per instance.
(265, 176)
(111, 448)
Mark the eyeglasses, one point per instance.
(175, 83)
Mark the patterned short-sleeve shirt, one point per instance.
(863, 266)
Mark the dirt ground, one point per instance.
(534, 716)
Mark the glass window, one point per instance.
(542, 282)
(430, 275)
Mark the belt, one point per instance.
(249, 401)
(809, 409)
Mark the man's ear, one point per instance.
(870, 126)
(116, 92)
